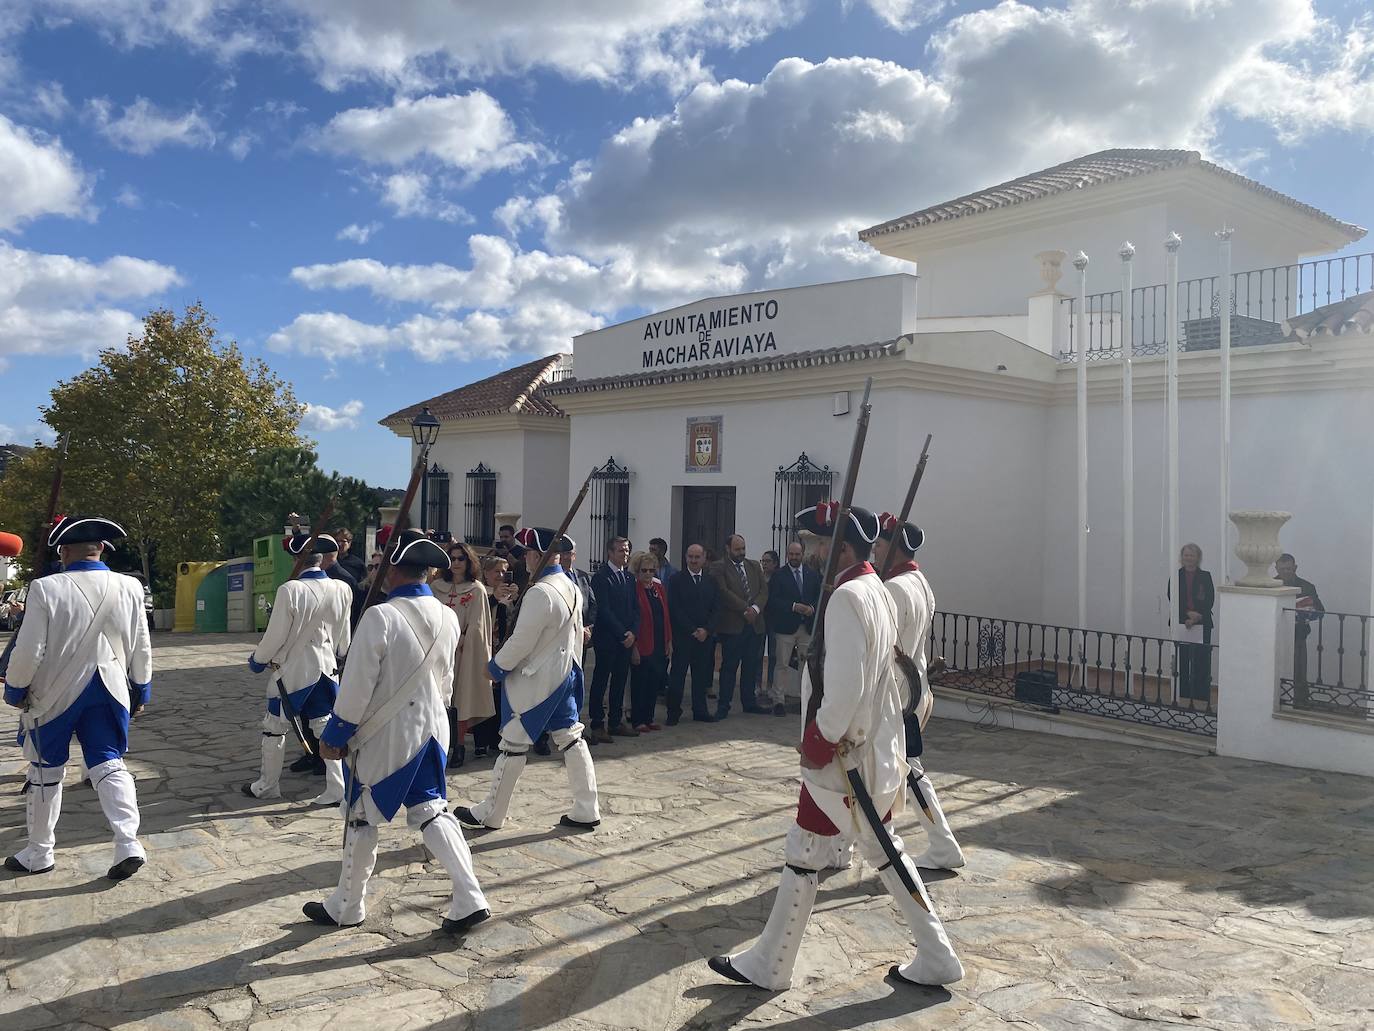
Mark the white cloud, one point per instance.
(56, 304)
(240, 145)
(356, 233)
(50, 101)
(540, 329)
(222, 27)
(620, 41)
(905, 15)
(128, 197)
(40, 177)
(323, 419)
(142, 128)
(469, 132)
(418, 195)
(28, 433)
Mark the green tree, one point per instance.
(279, 481)
(24, 501)
(157, 428)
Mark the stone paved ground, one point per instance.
(1107, 887)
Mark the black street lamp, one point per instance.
(424, 428)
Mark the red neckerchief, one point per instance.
(909, 566)
(856, 570)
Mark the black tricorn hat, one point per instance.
(820, 520)
(912, 535)
(75, 529)
(415, 550)
(565, 545)
(537, 537)
(324, 544)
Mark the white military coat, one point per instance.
(862, 707)
(308, 632)
(396, 714)
(915, 603)
(546, 643)
(58, 649)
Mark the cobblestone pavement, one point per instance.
(1108, 887)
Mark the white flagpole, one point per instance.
(1227, 290)
(1080, 262)
(1171, 246)
(1127, 446)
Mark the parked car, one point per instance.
(12, 608)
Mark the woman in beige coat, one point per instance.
(461, 589)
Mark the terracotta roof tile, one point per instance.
(510, 391)
(1354, 314)
(1105, 166)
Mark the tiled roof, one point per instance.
(512, 391)
(1354, 314)
(1106, 166)
(743, 367)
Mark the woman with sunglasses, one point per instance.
(460, 588)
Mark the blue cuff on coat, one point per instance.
(15, 695)
(140, 694)
(497, 673)
(255, 666)
(337, 732)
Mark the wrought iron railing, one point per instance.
(1262, 300)
(1148, 680)
(609, 509)
(480, 506)
(796, 487)
(1329, 673)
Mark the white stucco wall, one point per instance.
(503, 451)
(545, 494)
(995, 275)
(985, 465)
(1299, 452)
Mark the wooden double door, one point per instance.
(708, 519)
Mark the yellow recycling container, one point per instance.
(189, 576)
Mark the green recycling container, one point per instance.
(272, 566)
(212, 602)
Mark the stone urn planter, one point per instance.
(505, 519)
(1259, 546)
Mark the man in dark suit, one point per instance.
(793, 594)
(1309, 610)
(617, 624)
(692, 604)
(743, 593)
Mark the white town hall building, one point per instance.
(731, 413)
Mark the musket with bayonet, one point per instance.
(547, 555)
(815, 653)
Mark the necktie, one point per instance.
(743, 576)
(798, 574)
(696, 579)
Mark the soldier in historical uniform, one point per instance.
(540, 673)
(858, 726)
(390, 725)
(306, 639)
(915, 603)
(82, 665)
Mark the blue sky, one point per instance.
(389, 200)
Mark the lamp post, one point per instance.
(1080, 262)
(1127, 252)
(424, 430)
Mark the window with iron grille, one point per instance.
(480, 507)
(434, 501)
(610, 509)
(795, 487)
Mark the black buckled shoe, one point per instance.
(581, 825)
(465, 817)
(13, 864)
(304, 764)
(467, 923)
(126, 868)
(318, 914)
(722, 966)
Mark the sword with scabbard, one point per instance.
(859, 793)
(37, 746)
(289, 712)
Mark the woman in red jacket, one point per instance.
(653, 646)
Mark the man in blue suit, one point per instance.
(793, 594)
(617, 624)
